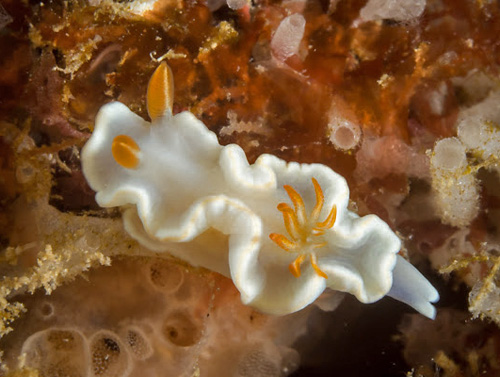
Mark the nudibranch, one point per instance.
(280, 230)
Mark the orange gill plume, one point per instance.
(305, 232)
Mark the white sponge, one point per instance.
(457, 196)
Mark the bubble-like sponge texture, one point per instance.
(182, 329)
(456, 191)
(145, 317)
(108, 355)
(166, 276)
(449, 155)
(255, 362)
(137, 342)
(57, 352)
(455, 161)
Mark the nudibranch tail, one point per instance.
(125, 151)
(160, 95)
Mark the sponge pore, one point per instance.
(46, 310)
(57, 352)
(181, 329)
(137, 343)
(166, 276)
(109, 357)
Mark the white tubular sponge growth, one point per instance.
(449, 156)
(236, 4)
(343, 134)
(398, 10)
(457, 197)
(482, 138)
(286, 40)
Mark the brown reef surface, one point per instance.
(402, 84)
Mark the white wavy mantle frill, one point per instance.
(203, 203)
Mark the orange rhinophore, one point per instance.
(303, 230)
(160, 95)
(125, 151)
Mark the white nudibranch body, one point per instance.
(281, 231)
